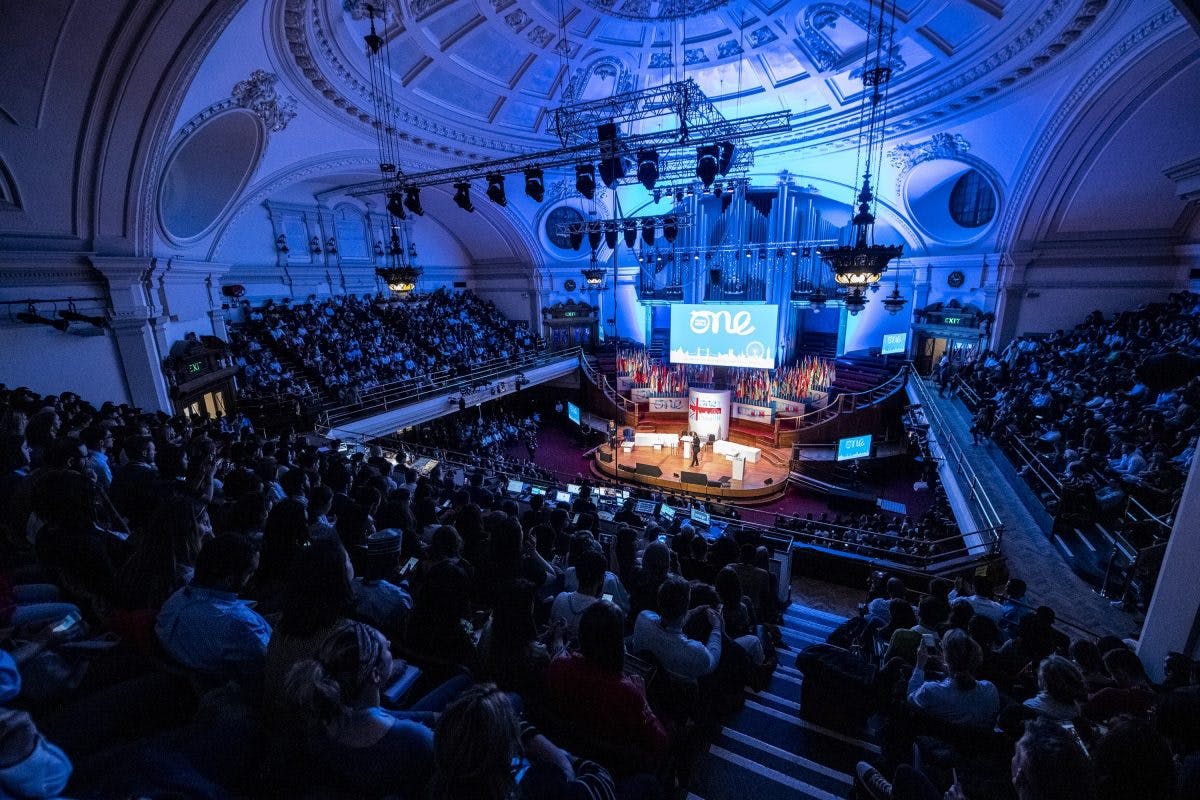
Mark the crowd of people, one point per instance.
(1112, 406)
(996, 694)
(486, 436)
(346, 345)
(894, 537)
(196, 608)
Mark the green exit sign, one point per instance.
(194, 367)
(952, 320)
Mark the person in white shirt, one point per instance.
(569, 606)
(661, 635)
(981, 599)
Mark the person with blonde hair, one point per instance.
(959, 698)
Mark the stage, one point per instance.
(666, 468)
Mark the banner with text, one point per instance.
(736, 335)
(708, 412)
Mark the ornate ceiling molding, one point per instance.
(1048, 139)
(298, 15)
(938, 102)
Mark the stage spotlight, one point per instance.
(585, 180)
(610, 235)
(793, 251)
(726, 159)
(670, 228)
(495, 189)
(575, 234)
(806, 252)
(593, 233)
(762, 254)
(779, 252)
(679, 195)
(717, 190)
(726, 201)
(630, 233)
(535, 187)
(395, 205)
(647, 172)
(412, 200)
(695, 256)
(612, 165)
(714, 276)
(648, 230)
(706, 163)
(462, 196)
(657, 195)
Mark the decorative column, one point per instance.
(1173, 618)
(136, 328)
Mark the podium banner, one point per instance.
(668, 405)
(708, 412)
(754, 413)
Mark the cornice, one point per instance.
(1047, 140)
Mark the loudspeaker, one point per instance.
(693, 477)
(649, 470)
(714, 484)
(605, 457)
(626, 468)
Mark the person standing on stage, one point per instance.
(695, 449)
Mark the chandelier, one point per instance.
(861, 264)
(593, 276)
(401, 273)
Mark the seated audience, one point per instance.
(958, 698)
(661, 634)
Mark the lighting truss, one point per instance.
(666, 142)
(576, 124)
(683, 221)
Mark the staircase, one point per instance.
(767, 751)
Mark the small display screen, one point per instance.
(537, 490)
(854, 447)
(573, 413)
(893, 343)
(562, 497)
(515, 486)
(701, 516)
(667, 513)
(645, 507)
(573, 488)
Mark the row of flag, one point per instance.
(792, 382)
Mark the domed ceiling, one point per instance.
(481, 78)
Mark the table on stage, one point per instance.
(645, 439)
(730, 449)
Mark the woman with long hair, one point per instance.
(164, 556)
(316, 604)
(481, 751)
(350, 739)
(959, 698)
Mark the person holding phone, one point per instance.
(959, 698)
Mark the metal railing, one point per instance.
(977, 494)
(844, 403)
(601, 382)
(402, 393)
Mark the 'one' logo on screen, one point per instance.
(704, 321)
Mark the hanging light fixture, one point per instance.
(856, 301)
(462, 196)
(495, 189)
(399, 273)
(535, 186)
(707, 165)
(817, 300)
(863, 262)
(894, 303)
(585, 180)
(647, 172)
(593, 276)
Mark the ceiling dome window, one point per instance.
(972, 200)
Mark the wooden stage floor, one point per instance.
(763, 480)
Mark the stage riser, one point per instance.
(672, 484)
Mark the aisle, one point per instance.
(766, 751)
(1031, 555)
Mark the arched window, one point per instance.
(972, 200)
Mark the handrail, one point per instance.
(977, 494)
(601, 382)
(402, 396)
(836, 408)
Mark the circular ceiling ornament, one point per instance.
(655, 10)
(956, 279)
(569, 285)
